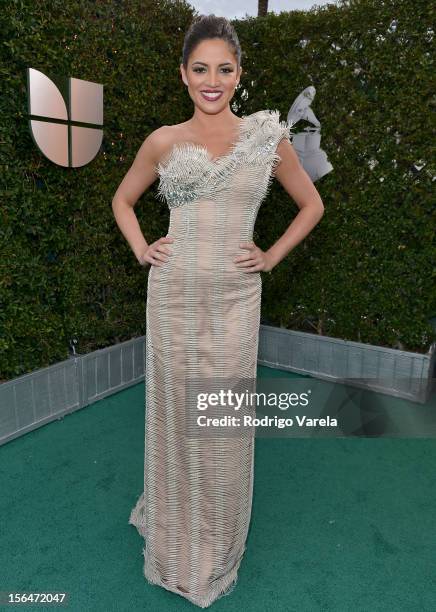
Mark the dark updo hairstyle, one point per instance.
(204, 27)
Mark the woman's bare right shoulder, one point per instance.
(162, 139)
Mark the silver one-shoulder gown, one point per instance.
(203, 316)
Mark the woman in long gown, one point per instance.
(203, 311)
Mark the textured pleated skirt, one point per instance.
(203, 318)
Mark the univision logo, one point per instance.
(66, 129)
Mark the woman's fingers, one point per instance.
(160, 256)
(157, 253)
(162, 249)
(160, 244)
(252, 261)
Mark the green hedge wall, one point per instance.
(367, 272)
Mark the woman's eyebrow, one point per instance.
(204, 64)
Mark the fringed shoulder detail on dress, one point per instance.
(278, 130)
(271, 126)
(271, 133)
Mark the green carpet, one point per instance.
(342, 524)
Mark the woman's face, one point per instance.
(211, 68)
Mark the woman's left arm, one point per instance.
(295, 180)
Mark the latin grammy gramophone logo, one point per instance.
(66, 118)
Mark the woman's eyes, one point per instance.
(201, 69)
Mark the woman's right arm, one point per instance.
(139, 177)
